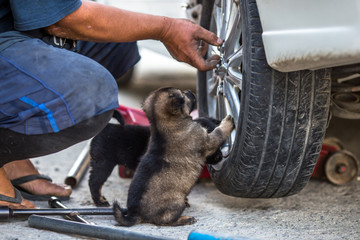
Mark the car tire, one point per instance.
(280, 118)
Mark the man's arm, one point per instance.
(101, 23)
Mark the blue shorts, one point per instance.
(44, 89)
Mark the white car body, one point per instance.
(310, 34)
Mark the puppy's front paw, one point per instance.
(228, 123)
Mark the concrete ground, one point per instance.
(321, 211)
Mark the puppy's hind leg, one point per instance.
(117, 115)
(184, 220)
(99, 173)
(123, 216)
(170, 215)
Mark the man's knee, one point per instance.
(94, 91)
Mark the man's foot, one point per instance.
(21, 168)
(7, 190)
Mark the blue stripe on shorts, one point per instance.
(42, 106)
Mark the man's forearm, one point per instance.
(101, 23)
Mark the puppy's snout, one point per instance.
(191, 96)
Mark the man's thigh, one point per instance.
(118, 58)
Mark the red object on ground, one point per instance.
(205, 173)
(133, 116)
(326, 151)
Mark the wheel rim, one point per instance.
(224, 83)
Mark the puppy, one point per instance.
(173, 162)
(114, 145)
(120, 144)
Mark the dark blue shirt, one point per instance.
(25, 15)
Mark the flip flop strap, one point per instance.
(29, 178)
(16, 199)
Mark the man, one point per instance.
(56, 91)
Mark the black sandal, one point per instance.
(29, 196)
(16, 199)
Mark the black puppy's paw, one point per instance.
(102, 202)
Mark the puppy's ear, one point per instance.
(190, 95)
(191, 100)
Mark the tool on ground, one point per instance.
(199, 235)
(341, 167)
(335, 164)
(55, 202)
(79, 167)
(82, 229)
(7, 213)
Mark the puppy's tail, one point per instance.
(122, 216)
(117, 115)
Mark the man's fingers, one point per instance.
(206, 65)
(211, 62)
(192, 47)
(209, 37)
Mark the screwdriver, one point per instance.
(55, 202)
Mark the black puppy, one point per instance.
(124, 145)
(114, 145)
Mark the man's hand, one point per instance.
(188, 42)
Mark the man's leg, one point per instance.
(53, 100)
(39, 145)
(18, 146)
